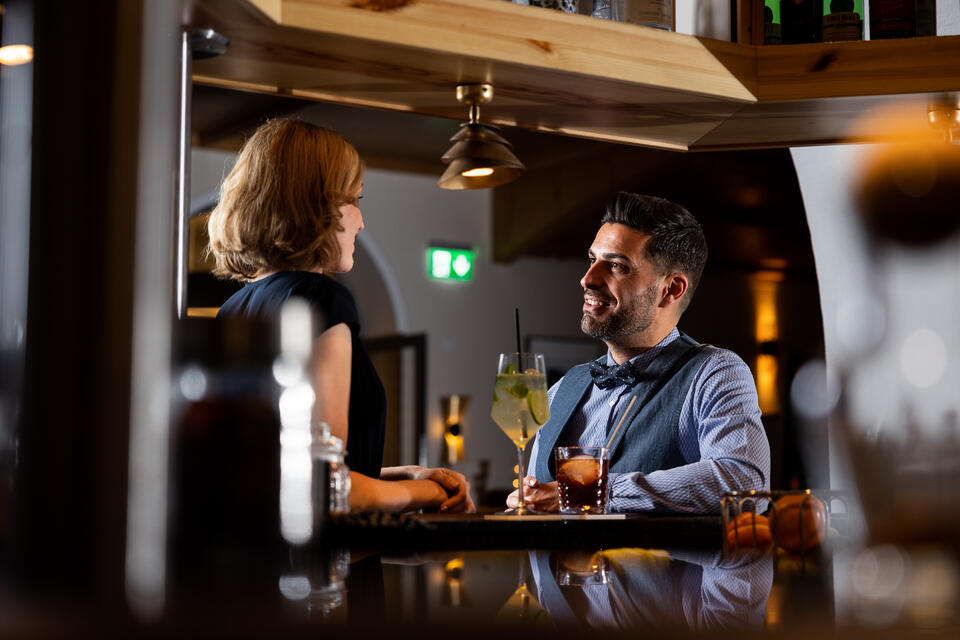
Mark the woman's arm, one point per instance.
(330, 373)
(400, 495)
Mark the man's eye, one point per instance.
(616, 266)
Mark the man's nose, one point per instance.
(590, 279)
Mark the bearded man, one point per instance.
(693, 431)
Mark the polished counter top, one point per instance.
(474, 577)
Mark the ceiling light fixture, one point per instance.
(479, 158)
(14, 54)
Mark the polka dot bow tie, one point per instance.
(607, 377)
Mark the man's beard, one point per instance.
(625, 321)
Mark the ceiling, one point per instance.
(748, 202)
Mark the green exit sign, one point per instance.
(444, 263)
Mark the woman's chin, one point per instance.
(343, 267)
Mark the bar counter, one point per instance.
(471, 576)
(498, 531)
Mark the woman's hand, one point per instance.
(537, 496)
(456, 486)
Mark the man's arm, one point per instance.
(720, 434)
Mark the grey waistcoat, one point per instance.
(648, 439)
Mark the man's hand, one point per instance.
(456, 486)
(537, 496)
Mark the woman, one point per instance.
(288, 215)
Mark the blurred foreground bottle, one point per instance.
(331, 476)
(224, 514)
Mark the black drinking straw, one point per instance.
(516, 318)
(520, 369)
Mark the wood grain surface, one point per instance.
(567, 74)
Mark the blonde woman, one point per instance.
(288, 215)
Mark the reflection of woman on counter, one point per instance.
(289, 215)
(641, 588)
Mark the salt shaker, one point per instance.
(331, 476)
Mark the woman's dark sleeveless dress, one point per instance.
(334, 304)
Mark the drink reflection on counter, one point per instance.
(631, 588)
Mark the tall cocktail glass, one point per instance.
(520, 405)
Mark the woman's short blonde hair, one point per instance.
(279, 206)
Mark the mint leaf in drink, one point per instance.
(510, 369)
(518, 390)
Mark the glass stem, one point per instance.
(520, 478)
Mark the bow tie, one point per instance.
(607, 377)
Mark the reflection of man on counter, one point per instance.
(638, 588)
(694, 430)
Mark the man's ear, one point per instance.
(676, 287)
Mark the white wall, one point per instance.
(948, 17)
(707, 18)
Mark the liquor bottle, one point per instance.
(801, 20)
(771, 22)
(893, 19)
(926, 18)
(843, 20)
(649, 13)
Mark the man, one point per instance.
(694, 431)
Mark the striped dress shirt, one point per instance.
(720, 435)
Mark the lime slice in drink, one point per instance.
(539, 408)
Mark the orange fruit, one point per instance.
(799, 522)
(749, 530)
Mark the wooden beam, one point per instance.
(862, 68)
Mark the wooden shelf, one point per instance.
(570, 74)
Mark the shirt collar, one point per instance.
(642, 360)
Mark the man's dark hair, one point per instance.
(676, 239)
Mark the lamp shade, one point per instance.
(479, 158)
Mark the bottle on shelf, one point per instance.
(843, 20)
(893, 19)
(660, 14)
(771, 22)
(801, 20)
(567, 6)
(926, 18)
